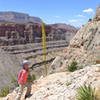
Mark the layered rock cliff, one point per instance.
(13, 33)
(20, 28)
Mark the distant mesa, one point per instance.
(18, 17)
(64, 26)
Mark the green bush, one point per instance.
(31, 78)
(4, 91)
(86, 93)
(73, 66)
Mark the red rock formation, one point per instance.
(14, 33)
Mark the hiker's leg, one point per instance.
(28, 92)
(20, 91)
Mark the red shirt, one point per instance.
(23, 75)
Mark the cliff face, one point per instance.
(8, 66)
(20, 28)
(84, 47)
(12, 33)
(97, 15)
(89, 35)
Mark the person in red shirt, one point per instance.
(23, 80)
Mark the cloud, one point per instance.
(90, 10)
(73, 20)
(79, 15)
(57, 16)
(76, 22)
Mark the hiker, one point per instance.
(23, 80)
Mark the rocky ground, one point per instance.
(70, 54)
(63, 86)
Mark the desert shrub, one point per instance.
(31, 78)
(73, 66)
(14, 81)
(86, 92)
(68, 83)
(90, 20)
(4, 91)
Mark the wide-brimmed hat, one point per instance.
(25, 62)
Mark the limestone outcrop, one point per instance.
(97, 15)
(84, 47)
(89, 35)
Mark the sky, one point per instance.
(74, 12)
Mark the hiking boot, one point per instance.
(27, 96)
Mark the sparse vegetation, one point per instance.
(4, 91)
(73, 66)
(86, 92)
(14, 81)
(31, 78)
(90, 20)
(68, 83)
(96, 62)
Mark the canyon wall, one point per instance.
(13, 33)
